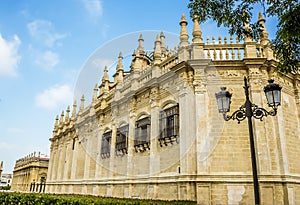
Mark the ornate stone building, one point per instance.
(155, 131)
(30, 173)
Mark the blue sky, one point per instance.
(44, 46)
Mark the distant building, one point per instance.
(6, 180)
(30, 173)
(155, 130)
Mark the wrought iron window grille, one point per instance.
(169, 126)
(105, 146)
(122, 140)
(142, 135)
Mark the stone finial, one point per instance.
(67, 118)
(261, 21)
(157, 50)
(61, 121)
(162, 40)
(197, 33)
(105, 75)
(247, 28)
(120, 68)
(120, 62)
(81, 103)
(74, 109)
(1, 165)
(56, 123)
(39, 154)
(184, 36)
(141, 46)
(95, 93)
(134, 64)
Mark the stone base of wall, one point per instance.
(206, 193)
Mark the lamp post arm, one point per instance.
(238, 115)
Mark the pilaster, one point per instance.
(187, 129)
(74, 158)
(154, 156)
(112, 158)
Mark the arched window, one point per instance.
(169, 125)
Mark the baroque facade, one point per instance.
(30, 173)
(155, 131)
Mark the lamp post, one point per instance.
(249, 110)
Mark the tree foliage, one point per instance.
(234, 14)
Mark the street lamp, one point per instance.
(249, 110)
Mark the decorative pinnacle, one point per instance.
(61, 118)
(183, 32)
(197, 34)
(82, 103)
(141, 46)
(120, 62)
(183, 20)
(67, 114)
(261, 17)
(261, 21)
(162, 40)
(105, 75)
(74, 109)
(95, 92)
(157, 48)
(56, 122)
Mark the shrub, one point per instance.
(9, 198)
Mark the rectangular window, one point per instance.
(105, 146)
(142, 134)
(122, 140)
(169, 125)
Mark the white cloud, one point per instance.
(47, 60)
(94, 7)
(44, 32)
(9, 57)
(53, 97)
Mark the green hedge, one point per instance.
(12, 198)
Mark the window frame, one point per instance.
(169, 132)
(105, 145)
(142, 134)
(122, 144)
